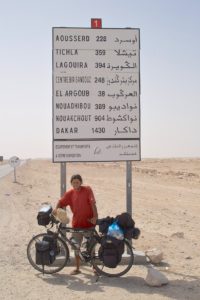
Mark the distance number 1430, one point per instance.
(99, 130)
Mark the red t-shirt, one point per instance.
(80, 202)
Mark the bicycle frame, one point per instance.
(62, 230)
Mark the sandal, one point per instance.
(95, 272)
(75, 272)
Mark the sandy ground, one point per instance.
(166, 207)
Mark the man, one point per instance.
(83, 206)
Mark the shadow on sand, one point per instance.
(180, 289)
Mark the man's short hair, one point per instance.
(76, 176)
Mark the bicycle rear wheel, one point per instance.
(59, 262)
(122, 268)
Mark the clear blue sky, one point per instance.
(170, 71)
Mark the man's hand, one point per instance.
(54, 212)
(93, 220)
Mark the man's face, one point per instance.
(76, 184)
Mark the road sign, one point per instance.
(14, 161)
(96, 94)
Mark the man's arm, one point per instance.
(61, 203)
(95, 213)
(55, 209)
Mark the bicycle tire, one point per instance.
(60, 260)
(122, 268)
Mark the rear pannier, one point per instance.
(110, 251)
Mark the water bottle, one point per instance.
(115, 231)
(75, 243)
(85, 243)
(52, 253)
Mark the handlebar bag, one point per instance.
(43, 216)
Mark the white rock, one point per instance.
(155, 278)
(154, 255)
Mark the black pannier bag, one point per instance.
(110, 251)
(42, 253)
(53, 246)
(44, 215)
(126, 222)
(104, 224)
(135, 233)
(132, 233)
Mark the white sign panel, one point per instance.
(96, 87)
(96, 150)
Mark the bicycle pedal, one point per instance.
(85, 255)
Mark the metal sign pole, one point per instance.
(14, 161)
(63, 183)
(129, 187)
(62, 178)
(15, 180)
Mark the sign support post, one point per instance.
(14, 161)
(62, 178)
(129, 187)
(15, 179)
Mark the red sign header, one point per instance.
(96, 23)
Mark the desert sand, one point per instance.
(166, 207)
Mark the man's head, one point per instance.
(76, 181)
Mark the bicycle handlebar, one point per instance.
(70, 229)
(56, 221)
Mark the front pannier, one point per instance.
(47, 249)
(53, 246)
(44, 215)
(42, 253)
(110, 251)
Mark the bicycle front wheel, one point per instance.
(60, 259)
(122, 268)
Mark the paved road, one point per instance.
(6, 169)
